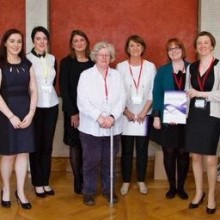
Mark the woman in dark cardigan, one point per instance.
(70, 69)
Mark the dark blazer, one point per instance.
(70, 70)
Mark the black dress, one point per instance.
(202, 130)
(15, 92)
(70, 70)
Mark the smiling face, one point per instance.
(14, 44)
(204, 46)
(79, 43)
(40, 42)
(174, 52)
(135, 49)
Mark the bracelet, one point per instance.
(11, 117)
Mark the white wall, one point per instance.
(209, 20)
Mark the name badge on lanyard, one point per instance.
(137, 97)
(200, 103)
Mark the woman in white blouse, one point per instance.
(46, 112)
(138, 75)
(100, 99)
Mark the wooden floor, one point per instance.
(65, 205)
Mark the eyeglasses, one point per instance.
(173, 49)
(103, 55)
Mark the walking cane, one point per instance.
(111, 166)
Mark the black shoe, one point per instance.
(26, 205)
(41, 194)
(6, 204)
(171, 194)
(196, 205)
(50, 192)
(88, 200)
(108, 197)
(182, 194)
(78, 192)
(210, 211)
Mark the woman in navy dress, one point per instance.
(18, 98)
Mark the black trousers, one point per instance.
(141, 143)
(44, 121)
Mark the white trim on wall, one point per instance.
(209, 20)
(37, 13)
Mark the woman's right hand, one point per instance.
(75, 121)
(130, 116)
(157, 123)
(15, 121)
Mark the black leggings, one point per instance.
(76, 164)
(176, 158)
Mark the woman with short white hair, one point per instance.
(101, 101)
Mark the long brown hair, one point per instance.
(3, 49)
(82, 34)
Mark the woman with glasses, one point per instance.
(138, 76)
(101, 100)
(171, 76)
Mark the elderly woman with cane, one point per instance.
(101, 101)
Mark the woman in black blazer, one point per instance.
(70, 69)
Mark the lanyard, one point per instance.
(139, 76)
(202, 80)
(45, 67)
(106, 86)
(179, 80)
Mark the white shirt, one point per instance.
(44, 74)
(91, 100)
(144, 93)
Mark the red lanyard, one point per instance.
(202, 80)
(106, 86)
(139, 77)
(179, 82)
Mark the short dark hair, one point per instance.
(3, 50)
(179, 43)
(136, 39)
(82, 34)
(208, 34)
(40, 29)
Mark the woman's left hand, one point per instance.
(26, 121)
(141, 117)
(191, 93)
(108, 122)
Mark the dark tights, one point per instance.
(76, 164)
(176, 158)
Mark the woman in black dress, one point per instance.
(203, 123)
(18, 98)
(70, 69)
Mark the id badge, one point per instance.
(137, 99)
(106, 109)
(200, 103)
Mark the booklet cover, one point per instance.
(175, 104)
